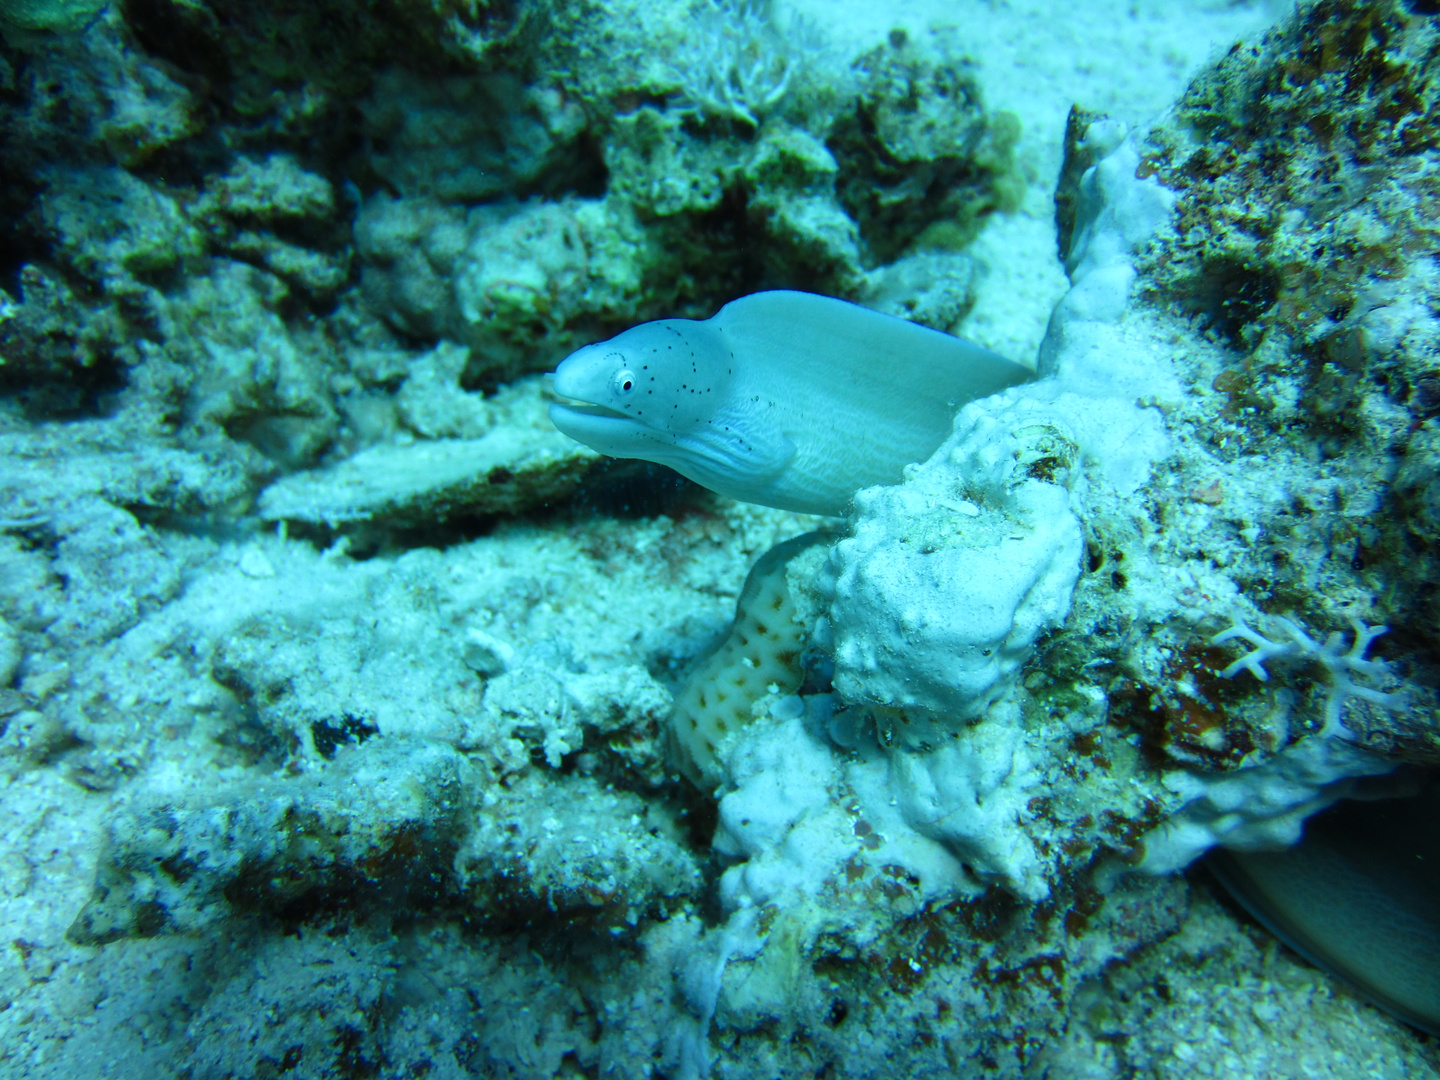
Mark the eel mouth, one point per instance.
(594, 425)
(585, 408)
(578, 405)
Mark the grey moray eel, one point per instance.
(1359, 896)
(787, 399)
(797, 401)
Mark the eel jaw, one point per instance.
(604, 429)
(585, 408)
(569, 404)
(599, 428)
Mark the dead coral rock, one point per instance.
(48, 466)
(503, 473)
(933, 288)
(409, 249)
(384, 819)
(317, 681)
(58, 349)
(470, 139)
(611, 719)
(517, 467)
(919, 155)
(513, 283)
(274, 213)
(29, 736)
(520, 287)
(1303, 165)
(117, 231)
(11, 653)
(432, 402)
(249, 371)
(88, 92)
(623, 710)
(574, 849)
(294, 71)
(662, 170)
(306, 996)
(84, 571)
(1303, 168)
(809, 237)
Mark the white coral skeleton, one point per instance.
(1341, 664)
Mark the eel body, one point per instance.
(783, 398)
(1358, 896)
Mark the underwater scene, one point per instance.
(746, 539)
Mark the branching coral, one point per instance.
(734, 62)
(1341, 665)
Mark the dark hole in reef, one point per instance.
(351, 1060)
(581, 172)
(178, 868)
(189, 162)
(384, 537)
(634, 489)
(150, 918)
(173, 33)
(469, 1054)
(727, 230)
(1096, 557)
(18, 243)
(405, 877)
(89, 392)
(991, 915)
(330, 734)
(1234, 296)
(1424, 398)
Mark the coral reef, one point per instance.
(519, 463)
(1305, 212)
(338, 692)
(18, 17)
(1107, 600)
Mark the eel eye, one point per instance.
(624, 381)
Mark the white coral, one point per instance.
(1341, 664)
